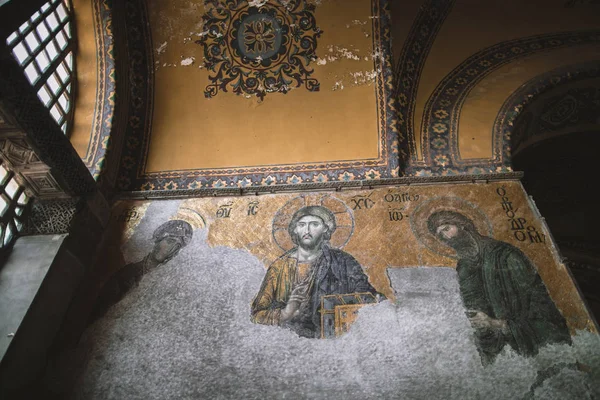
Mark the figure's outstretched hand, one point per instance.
(292, 308)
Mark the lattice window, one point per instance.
(43, 46)
(13, 202)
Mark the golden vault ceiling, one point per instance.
(246, 94)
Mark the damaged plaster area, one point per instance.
(187, 61)
(179, 29)
(257, 3)
(285, 3)
(180, 42)
(185, 332)
(357, 78)
(364, 25)
(180, 50)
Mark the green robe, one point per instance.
(503, 283)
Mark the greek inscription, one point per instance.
(362, 201)
(394, 197)
(520, 236)
(535, 236)
(517, 224)
(128, 215)
(395, 214)
(522, 231)
(224, 210)
(253, 208)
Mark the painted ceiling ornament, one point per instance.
(560, 111)
(257, 48)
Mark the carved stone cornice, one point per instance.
(18, 155)
(28, 127)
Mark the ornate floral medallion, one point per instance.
(255, 50)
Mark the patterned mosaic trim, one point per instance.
(442, 111)
(506, 129)
(50, 217)
(132, 176)
(120, 119)
(102, 123)
(407, 75)
(327, 186)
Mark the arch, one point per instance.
(105, 88)
(443, 108)
(408, 71)
(101, 127)
(513, 119)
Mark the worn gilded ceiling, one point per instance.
(191, 131)
(379, 90)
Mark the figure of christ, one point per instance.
(291, 292)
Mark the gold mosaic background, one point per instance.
(190, 131)
(380, 228)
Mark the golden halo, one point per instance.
(188, 214)
(343, 218)
(418, 221)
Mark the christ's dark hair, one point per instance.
(316, 211)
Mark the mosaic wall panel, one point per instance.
(402, 291)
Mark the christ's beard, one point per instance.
(309, 245)
(465, 245)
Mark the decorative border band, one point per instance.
(102, 123)
(327, 186)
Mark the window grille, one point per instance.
(13, 202)
(43, 46)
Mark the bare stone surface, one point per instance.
(20, 279)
